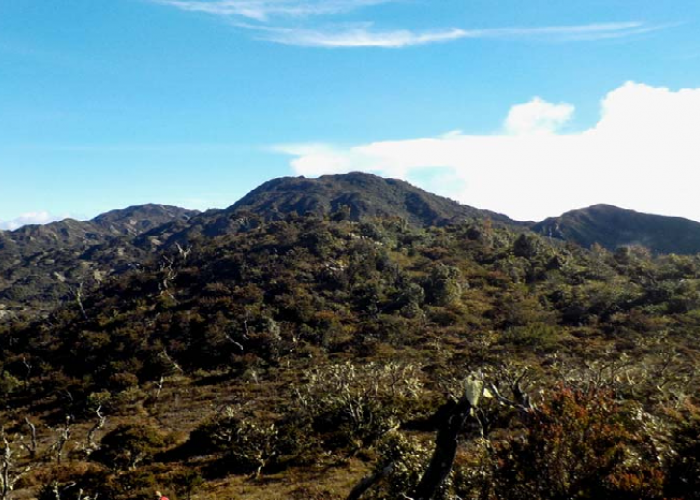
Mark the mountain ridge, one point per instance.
(39, 263)
(355, 196)
(613, 227)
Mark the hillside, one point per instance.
(295, 358)
(41, 265)
(614, 227)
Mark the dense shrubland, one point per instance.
(321, 345)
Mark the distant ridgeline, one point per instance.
(613, 227)
(41, 266)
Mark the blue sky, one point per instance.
(108, 103)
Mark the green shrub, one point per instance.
(537, 336)
(684, 470)
(128, 446)
(405, 460)
(187, 482)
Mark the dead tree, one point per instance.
(173, 364)
(57, 491)
(63, 436)
(33, 445)
(91, 444)
(9, 473)
(183, 252)
(79, 299)
(160, 383)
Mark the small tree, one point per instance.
(443, 285)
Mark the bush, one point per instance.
(537, 336)
(352, 407)
(577, 445)
(684, 470)
(247, 444)
(407, 460)
(128, 446)
(187, 482)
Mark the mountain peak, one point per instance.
(365, 195)
(613, 227)
(137, 219)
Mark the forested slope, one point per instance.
(296, 356)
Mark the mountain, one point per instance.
(132, 221)
(42, 264)
(364, 195)
(70, 233)
(613, 227)
(354, 196)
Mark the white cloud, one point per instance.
(364, 35)
(358, 36)
(268, 20)
(575, 33)
(261, 10)
(537, 116)
(40, 217)
(643, 153)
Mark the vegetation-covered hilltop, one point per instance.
(361, 195)
(614, 227)
(296, 357)
(43, 265)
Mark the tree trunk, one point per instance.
(369, 481)
(445, 452)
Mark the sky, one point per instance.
(526, 108)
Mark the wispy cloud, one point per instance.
(268, 20)
(357, 36)
(365, 35)
(262, 10)
(574, 33)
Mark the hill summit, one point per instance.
(613, 227)
(364, 195)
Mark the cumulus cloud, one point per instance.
(643, 153)
(40, 217)
(537, 116)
